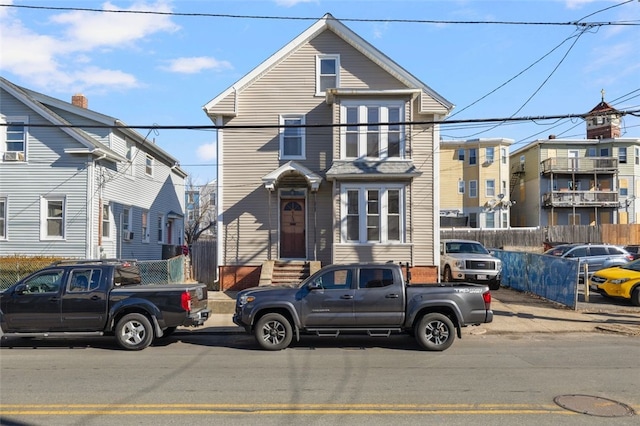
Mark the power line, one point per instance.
(634, 112)
(299, 18)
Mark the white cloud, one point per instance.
(291, 3)
(61, 61)
(207, 151)
(196, 64)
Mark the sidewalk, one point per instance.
(514, 312)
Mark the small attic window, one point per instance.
(327, 73)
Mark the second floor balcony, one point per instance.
(566, 198)
(580, 165)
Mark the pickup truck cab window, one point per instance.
(46, 282)
(375, 277)
(338, 279)
(83, 280)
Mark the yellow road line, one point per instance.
(276, 409)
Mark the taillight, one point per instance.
(629, 257)
(487, 299)
(185, 301)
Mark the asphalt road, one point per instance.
(225, 379)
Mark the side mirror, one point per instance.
(20, 289)
(314, 285)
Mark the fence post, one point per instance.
(586, 282)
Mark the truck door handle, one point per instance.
(392, 296)
(346, 296)
(95, 297)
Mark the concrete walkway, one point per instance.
(514, 312)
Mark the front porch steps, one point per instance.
(275, 272)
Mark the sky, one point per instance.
(147, 69)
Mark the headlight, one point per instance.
(619, 281)
(244, 299)
(460, 264)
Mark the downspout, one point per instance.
(270, 242)
(315, 226)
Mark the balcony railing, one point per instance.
(580, 165)
(580, 199)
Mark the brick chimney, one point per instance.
(80, 100)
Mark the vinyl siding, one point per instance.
(289, 88)
(49, 171)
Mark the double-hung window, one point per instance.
(460, 154)
(160, 228)
(489, 153)
(327, 73)
(3, 218)
(473, 156)
(622, 155)
(148, 167)
(473, 189)
(52, 213)
(292, 137)
(491, 188)
(106, 221)
(372, 214)
(14, 138)
(127, 223)
(145, 226)
(372, 130)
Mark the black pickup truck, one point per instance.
(97, 297)
(362, 298)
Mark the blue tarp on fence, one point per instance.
(547, 276)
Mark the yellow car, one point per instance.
(619, 281)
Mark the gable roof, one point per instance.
(328, 22)
(40, 103)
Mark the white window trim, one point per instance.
(128, 222)
(151, 166)
(44, 215)
(471, 184)
(163, 227)
(487, 187)
(362, 106)
(336, 57)
(303, 146)
(3, 136)
(4, 225)
(145, 235)
(110, 221)
(461, 187)
(362, 213)
(491, 150)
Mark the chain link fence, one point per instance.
(15, 268)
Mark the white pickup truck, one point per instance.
(470, 261)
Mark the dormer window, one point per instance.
(327, 73)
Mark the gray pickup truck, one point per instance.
(362, 298)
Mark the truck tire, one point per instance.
(134, 332)
(447, 274)
(494, 284)
(635, 296)
(273, 332)
(435, 332)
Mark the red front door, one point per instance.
(292, 229)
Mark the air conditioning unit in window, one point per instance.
(128, 236)
(14, 156)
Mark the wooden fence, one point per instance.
(204, 262)
(533, 239)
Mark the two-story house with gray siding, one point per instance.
(345, 168)
(77, 183)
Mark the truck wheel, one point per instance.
(435, 332)
(273, 332)
(447, 274)
(134, 332)
(494, 285)
(635, 297)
